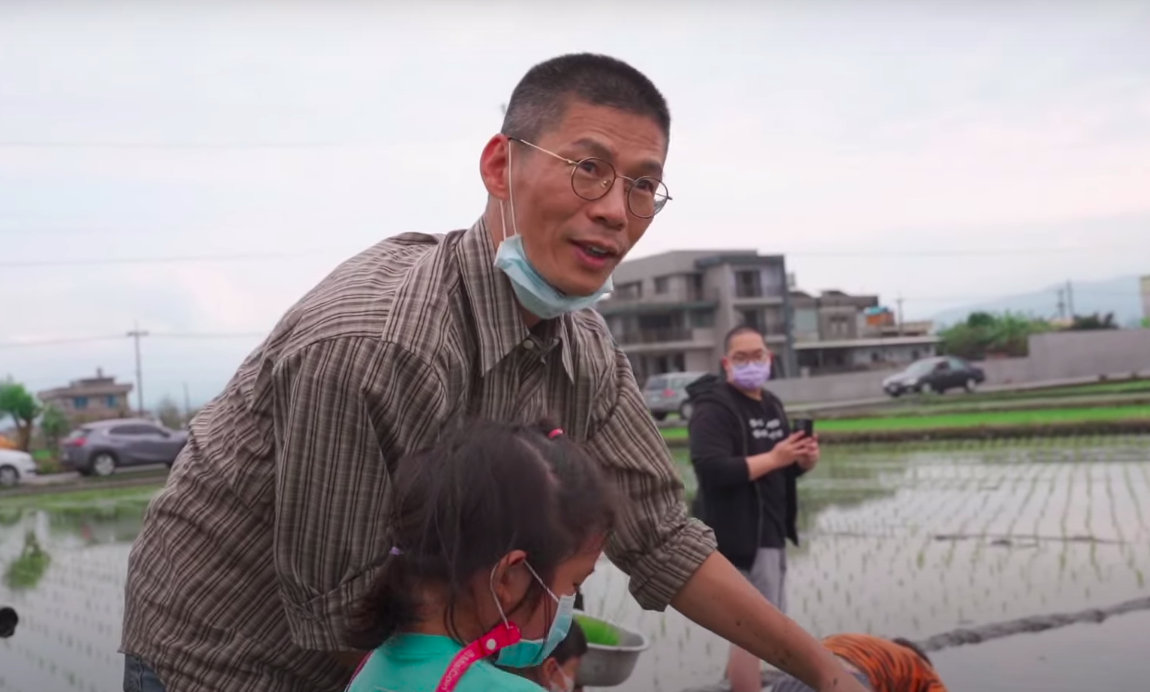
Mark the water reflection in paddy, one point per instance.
(907, 543)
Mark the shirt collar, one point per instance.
(498, 321)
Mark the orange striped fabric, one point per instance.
(890, 667)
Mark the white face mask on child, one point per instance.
(568, 683)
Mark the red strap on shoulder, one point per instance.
(497, 639)
(362, 663)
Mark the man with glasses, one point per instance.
(747, 461)
(272, 525)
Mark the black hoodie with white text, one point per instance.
(726, 427)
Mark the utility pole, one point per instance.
(1062, 303)
(899, 301)
(1070, 298)
(136, 334)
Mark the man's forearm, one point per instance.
(718, 598)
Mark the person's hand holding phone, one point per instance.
(790, 450)
(809, 457)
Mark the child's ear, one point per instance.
(504, 574)
(550, 668)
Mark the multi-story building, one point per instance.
(836, 332)
(91, 399)
(670, 312)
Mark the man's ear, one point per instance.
(493, 166)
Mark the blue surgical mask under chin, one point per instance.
(528, 653)
(534, 292)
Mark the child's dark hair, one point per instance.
(457, 508)
(913, 647)
(574, 645)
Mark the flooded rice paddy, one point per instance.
(896, 541)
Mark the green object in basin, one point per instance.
(597, 631)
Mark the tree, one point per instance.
(17, 402)
(1009, 334)
(984, 334)
(169, 413)
(1083, 323)
(54, 425)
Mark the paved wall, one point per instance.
(1087, 354)
(1053, 357)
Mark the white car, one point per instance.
(15, 466)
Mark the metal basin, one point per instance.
(608, 666)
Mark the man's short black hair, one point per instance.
(737, 331)
(913, 647)
(541, 97)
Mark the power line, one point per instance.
(206, 146)
(58, 342)
(181, 259)
(120, 337)
(209, 335)
(991, 299)
(267, 256)
(950, 254)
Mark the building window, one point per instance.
(839, 326)
(80, 402)
(662, 284)
(702, 319)
(752, 319)
(696, 284)
(748, 284)
(112, 401)
(631, 291)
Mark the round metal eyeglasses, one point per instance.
(592, 178)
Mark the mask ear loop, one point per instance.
(511, 201)
(495, 597)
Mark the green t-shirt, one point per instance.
(417, 662)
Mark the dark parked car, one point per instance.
(99, 448)
(935, 375)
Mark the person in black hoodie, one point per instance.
(747, 461)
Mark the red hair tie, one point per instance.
(555, 433)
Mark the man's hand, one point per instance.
(810, 459)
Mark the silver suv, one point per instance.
(99, 448)
(667, 393)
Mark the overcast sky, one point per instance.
(905, 147)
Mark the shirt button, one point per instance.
(529, 345)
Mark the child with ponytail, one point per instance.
(494, 530)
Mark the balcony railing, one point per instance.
(691, 295)
(655, 336)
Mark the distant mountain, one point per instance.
(1120, 296)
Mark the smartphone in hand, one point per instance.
(805, 426)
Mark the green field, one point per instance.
(973, 419)
(1117, 387)
(982, 418)
(966, 404)
(90, 493)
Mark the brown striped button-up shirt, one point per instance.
(272, 522)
